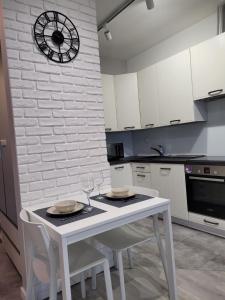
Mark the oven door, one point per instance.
(206, 195)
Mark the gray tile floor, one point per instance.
(200, 266)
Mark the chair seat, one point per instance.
(82, 255)
(121, 238)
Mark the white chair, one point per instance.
(122, 238)
(41, 256)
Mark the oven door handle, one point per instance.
(207, 179)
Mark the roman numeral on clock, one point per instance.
(60, 55)
(43, 46)
(50, 53)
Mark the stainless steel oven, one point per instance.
(206, 190)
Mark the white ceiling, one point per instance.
(137, 29)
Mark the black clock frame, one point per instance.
(57, 37)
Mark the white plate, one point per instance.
(54, 212)
(116, 197)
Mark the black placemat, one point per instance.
(59, 221)
(122, 202)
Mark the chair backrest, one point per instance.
(38, 250)
(144, 191)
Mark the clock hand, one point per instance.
(63, 24)
(69, 44)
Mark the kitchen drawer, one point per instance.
(142, 179)
(207, 221)
(141, 167)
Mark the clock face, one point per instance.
(56, 36)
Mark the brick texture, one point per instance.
(58, 110)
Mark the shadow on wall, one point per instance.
(122, 137)
(193, 138)
(181, 139)
(216, 128)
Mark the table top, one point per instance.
(111, 218)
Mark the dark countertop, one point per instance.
(208, 160)
(204, 160)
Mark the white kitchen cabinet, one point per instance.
(142, 179)
(121, 175)
(142, 174)
(175, 91)
(148, 97)
(208, 68)
(141, 167)
(109, 102)
(127, 102)
(208, 222)
(169, 180)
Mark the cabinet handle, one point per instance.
(165, 169)
(173, 122)
(149, 125)
(141, 175)
(108, 129)
(138, 167)
(210, 222)
(118, 168)
(3, 143)
(215, 92)
(129, 127)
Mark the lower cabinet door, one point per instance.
(142, 179)
(121, 175)
(169, 180)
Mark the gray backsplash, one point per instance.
(194, 138)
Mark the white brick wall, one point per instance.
(57, 108)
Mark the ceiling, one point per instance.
(137, 29)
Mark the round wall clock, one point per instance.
(56, 36)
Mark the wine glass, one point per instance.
(99, 179)
(87, 185)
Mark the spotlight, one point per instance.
(107, 33)
(150, 4)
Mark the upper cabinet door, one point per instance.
(148, 97)
(127, 102)
(109, 102)
(208, 68)
(175, 89)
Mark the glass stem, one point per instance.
(99, 193)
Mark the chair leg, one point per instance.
(115, 259)
(53, 288)
(83, 286)
(129, 254)
(121, 275)
(160, 245)
(108, 282)
(53, 277)
(30, 290)
(93, 278)
(30, 284)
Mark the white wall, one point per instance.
(112, 66)
(58, 109)
(193, 35)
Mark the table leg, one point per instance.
(170, 254)
(64, 270)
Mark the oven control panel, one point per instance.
(205, 170)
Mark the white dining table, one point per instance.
(113, 217)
